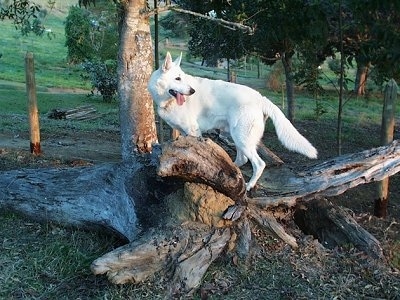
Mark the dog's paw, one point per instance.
(249, 186)
(201, 139)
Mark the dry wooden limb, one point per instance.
(201, 160)
(194, 262)
(185, 251)
(94, 197)
(330, 178)
(333, 227)
(269, 222)
(85, 112)
(143, 257)
(243, 242)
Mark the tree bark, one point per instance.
(361, 79)
(360, 82)
(387, 132)
(138, 131)
(330, 178)
(95, 197)
(287, 65)
(202, 161)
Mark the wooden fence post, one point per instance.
(387, 130)
(33, 115)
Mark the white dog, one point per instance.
(194, 105)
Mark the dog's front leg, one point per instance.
(194, 130)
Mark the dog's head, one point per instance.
(167, 82)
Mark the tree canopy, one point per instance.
(370, 31)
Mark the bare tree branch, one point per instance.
(227, 24)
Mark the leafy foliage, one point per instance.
(176, 24)
(77, 31)
(91, 38)
(103, 76)
(27, 16)
(19, 11)
(91, 34)
(377, 22)
(210, 41)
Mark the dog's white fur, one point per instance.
(194, 105)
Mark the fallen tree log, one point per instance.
(175, 246)
(333, 226)
(202, 156)
(84, 112)
(329, 178)
(94, 197)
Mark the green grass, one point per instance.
(51, 66)
(35, 265)
(13, 115)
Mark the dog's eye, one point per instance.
(178, 78)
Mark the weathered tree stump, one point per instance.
(198, 160)
(196, 223)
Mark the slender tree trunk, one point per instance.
(341, 79)
(387, 133)
(287, 65)
(138, 131)
(361, 78)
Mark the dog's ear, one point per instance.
(167, 62)
(177, 61)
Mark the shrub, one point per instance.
(92, 34)
(103, 76)
(77, 33)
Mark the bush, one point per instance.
(77, 33)
(92, 34)
(103, 76)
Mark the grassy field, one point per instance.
(53, 71)
(48, 261)
(50, 54)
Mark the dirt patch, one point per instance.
(87, 147)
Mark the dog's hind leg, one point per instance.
(241, 159)
(258, 166)
(246, 134)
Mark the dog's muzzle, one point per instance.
(180, 98)
(175, 93)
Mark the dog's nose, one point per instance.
(192, 91)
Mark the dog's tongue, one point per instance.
(180, 98)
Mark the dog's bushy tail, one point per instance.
(286, 132)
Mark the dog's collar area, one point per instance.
(167, 104)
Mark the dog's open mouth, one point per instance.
(180, 98)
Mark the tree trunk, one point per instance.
(137, 120)
(387, 132)
(189, 159)
(341, 82)
(361, 78)
(287, 65)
